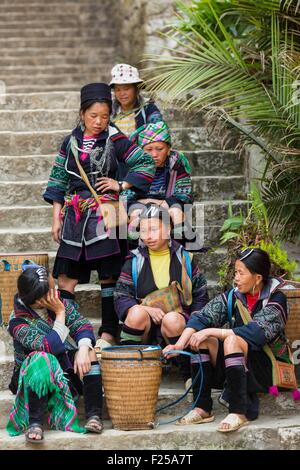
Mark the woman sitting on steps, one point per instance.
(235, 353)
(153, 266)
(54, 360)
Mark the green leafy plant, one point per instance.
(252, 230)
(239, 62)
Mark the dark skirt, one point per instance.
(259, 377)
(107, 266)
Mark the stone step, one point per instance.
(29, 3)
(40, 120)
(50, 23)
(73, 11)
(38, 167)
(268, 432)
(52, 119)
(73, 51)
(71, 100)
(219, 187)
(58, 87)
(75, 78)
(205, 188)
(40, 215)
(215, 162)
(171, 388)
(47, 142)
(25, 192)
(98, 31)
(191, 138)
(33, 168)
(54, 60)
(54, 7)
(6, 370)
(28, 239)
(39, 43)
(19, 101)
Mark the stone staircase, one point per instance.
(48, 50)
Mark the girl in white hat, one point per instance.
(131, 112)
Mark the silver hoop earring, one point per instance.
(82, 126)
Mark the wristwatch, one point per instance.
(120, 186)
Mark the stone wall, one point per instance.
(140, 23)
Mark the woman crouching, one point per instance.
(151, 269)
(54, 360)
(236, 354)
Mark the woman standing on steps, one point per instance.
(85, 244)
(236, 354)
(131, 112)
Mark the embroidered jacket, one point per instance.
(85, 227)
(125, 295)
(32, 333)
(178, 189)
(65, 178)
(269, 317)
(146, 113)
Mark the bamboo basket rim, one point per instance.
(131, 353)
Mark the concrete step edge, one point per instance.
(272, 434)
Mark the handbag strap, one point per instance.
(188, 263)
(82, 172)
(134, 273)
(187, 277)
(246, 317)
(230, 306)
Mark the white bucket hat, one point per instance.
(123, 74)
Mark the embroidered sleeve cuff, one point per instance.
(197, 322)
(54, 195)
(61, 329)
(85, 342)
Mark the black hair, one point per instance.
(257, 261)
(154, 211)
(87, 104)
(33, 284)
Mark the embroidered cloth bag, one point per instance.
(167, 299)
(283, 372)
(113, 212)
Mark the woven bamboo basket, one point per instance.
(10, 270)
(131, 379)
(292, 329)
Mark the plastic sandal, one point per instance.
(94, 424)
(234, 421)
(194, 417)
(34, 428)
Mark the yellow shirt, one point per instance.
(160, 264)
(126, 122)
